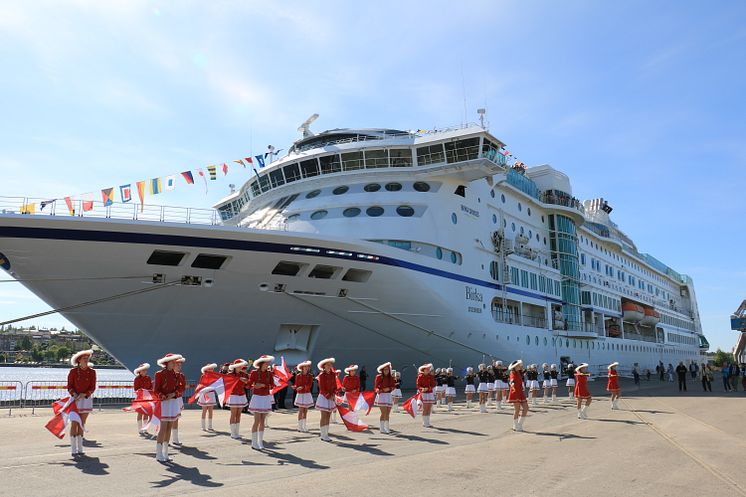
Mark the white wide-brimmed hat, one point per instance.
(545, 365)
(612, 365)
(142, 367)
(303, 365)
(261, 359)
(383, 366)
(422, 368)
(76, 356)
(498, 363)
(351, 367)
(583, 365)
(515, 364)
(320, 364)
(553, 366)
(168, 358)
(482, 366)
(208, 367)
(470, 369)
(449, 370)
(238, 363)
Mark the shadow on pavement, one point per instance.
(189, 475)
(194, 452)
(560, 436)
(367, 448)
(462, 432)
(623, 421)
(283, 458)
(415, 438)
(87, 465)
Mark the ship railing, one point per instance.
(11, 395)
(548, 197)
(117, 210)
(519, 319)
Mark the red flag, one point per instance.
(69, 203)
(281, 376)
(361, 401)
(65, 411)
(147, 403)
(249, 160)
(87, 202)
(188, 177)
(350, 419)
(336, 377)
(225, 169)
(413, 404)
(221, 384)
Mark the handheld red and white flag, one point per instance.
(147, 403)
(65, 411)
(361, 401)
(413, 405)
(350, 419)
(221, 384)
(281, 377)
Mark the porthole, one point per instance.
(340, 190)
(505, 223)
(530, 235)
(421, 186)
(502, 197)
(521, 230)
(372, 187)
(520, 207)
(351, 212)
(545, 240)
(454, 257)
(575, 344)
(405, 211)
(528, 211)
(454, 218)
(494, 219)
(536, 340)
(393, 187)
(439, 253)
(537, 238)
(492, 193)
(512, 226)
(554, 342)
(528, 340)
(319, 215)
(292, 218)
(567, 343)
(546, 342)
(314, 193)
(542, 219)
(374, 211)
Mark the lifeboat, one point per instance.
(651, 318)
(633, 313)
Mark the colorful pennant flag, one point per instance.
(187, 175)
(201, 173)
(213, 170)
(45, 203)
(65, 411)
(225, 169)
(107, 196)
(239, 161)
(249, 160)
(87, 202)
(141, 193)
(221, 384)
(70, 208)
(155, 186)
(351, 420)
(28, 209)
(260, 160)
(170, 183)
(125, 192)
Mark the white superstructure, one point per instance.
(367, 245)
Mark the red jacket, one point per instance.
(264, 377)
(240, 388)
(142, 383)
(81, 381)
(384, 383)
(425, 382)
(613, 383)
(182, 385)
(303, 383)
(166, 383)
(351, 383)
(327, 383)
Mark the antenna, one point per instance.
(482, 112)
(305, 127)
(232, 187)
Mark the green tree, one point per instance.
(25, 343)
(721, 358)
(63, 352)
(37, 355)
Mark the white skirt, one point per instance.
(547, 384)
(570, 382)
(553, 382)
(304, 400)
(428, 397)
(170, 410)
(383, 399)
(207, 399)
(501, 385)
(260, 404)
(483, 388)
(180, 401)
(396, 393)
(84, 405)
(237, 401)
(491, 387)
(533, 385)
(324, 404)
(470, 389)
(450, 391)
(439, 389)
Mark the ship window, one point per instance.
(492, 193)
(207, 261)
(374, 211)
(292, 218)
(421, 186)
(330, 164)
(276, 178)
(323, 272)
(309, 168)
(284, 268)
(372, 187)
(292, 172)
(319, 215)
(454, 218)
(494, 219)
(359, 275)
(462, 150)
(502, 198)
(393, 187)
(165, 258)
(432, 154)
(314, 193)
(520, 207)
(439, 253)
(376, 158)
(460, 191)
(405, 211)
(352, 161)
(351, 212)
(401, 157)
(528, 211)
(340, 190)
(454, 257)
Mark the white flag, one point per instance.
(170, 183)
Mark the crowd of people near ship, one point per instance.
(498, 385)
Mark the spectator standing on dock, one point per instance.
(261, 381)
(425, 387)
(743, 377)
(81, 383)
(516, 396)
(237, 400)
(570, 372)
(581, 390)
(636, 374)
(363, 378)
(734, 375)
(681, 374)
(693, 369)
(383, 386)
(661, 371)
(142, 382)
(612, 385)
(725, 372)
(670, 372)
(207, 400)
(303, 384)
(325, 402)
(166, 387)
(706, 377)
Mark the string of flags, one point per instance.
(153, 186)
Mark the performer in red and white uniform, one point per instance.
(581, 390)
(237, 399)
(516, 396)
(613, 385)
(179, 399)
(351, 382)
(396, 392)
(426, 385)
(81, 383)
(166, 387)
(207, 400)
(325, 403)
(384, 385)
(303, 384)
(261, 381)
(142, 382)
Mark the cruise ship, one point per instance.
(368, 245)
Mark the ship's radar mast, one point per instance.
(305, 128)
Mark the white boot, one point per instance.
(521, 420)
(158, 452)
(164, 452)
(74, 445)
(580, 413)
(468, 404)
(426, 421)
(515, 424)
(546, 399)
(209, 424)
(255, 440)
(203, 424)
(554, 398)
(305, 425)
(388, 430)
(499, 404)
(325, 434)
(584, 410)
(450, 406)
(80, 445)
(260, 439)
(139, 425)
(616, 404)
(300, 425)
(383, 426)
(175, 436)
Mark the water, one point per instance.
(58, 374)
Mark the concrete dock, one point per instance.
(661, 443)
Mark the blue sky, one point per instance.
(639, 102)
